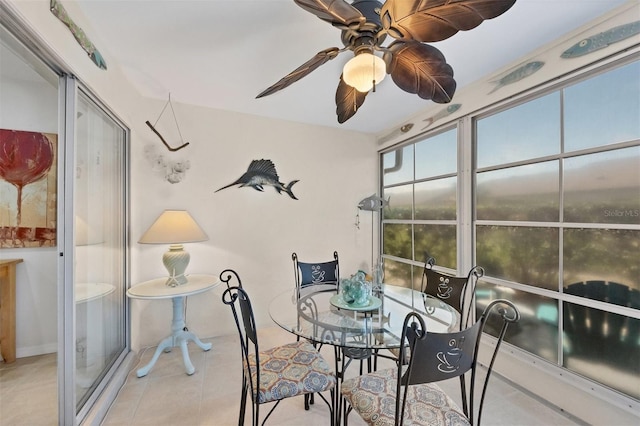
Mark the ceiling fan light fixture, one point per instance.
(362, 70)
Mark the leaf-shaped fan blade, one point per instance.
(334, 11)
(422, 69)
(435, 20)
(348, 100)
(303, 70)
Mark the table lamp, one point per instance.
(174, 227)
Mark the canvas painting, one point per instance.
(28, 178)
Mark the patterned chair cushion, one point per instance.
(373, 397)
(289, 370)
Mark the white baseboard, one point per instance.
(28, 351)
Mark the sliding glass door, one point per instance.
(100, 244)
(94, 250)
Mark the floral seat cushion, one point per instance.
(289, 370)
(373, 397)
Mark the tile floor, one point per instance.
(28, 392)
(211, 396)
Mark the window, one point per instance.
(421, 183)
(603, 110)
(530, 130)
(523, 193)
(555, 211)
(603, 187)
(557, 187)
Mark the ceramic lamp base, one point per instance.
(176, 261)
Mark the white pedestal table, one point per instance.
(157, 289)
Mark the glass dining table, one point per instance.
(323, 317)
(358, 332)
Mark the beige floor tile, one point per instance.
(28, 391)
(211, 396)
(218, 375)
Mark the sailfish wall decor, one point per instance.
(261, 173)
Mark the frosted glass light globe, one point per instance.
(362, 70)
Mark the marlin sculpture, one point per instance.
(260, 173)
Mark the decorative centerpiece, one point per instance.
(356, 290)
(355, 294)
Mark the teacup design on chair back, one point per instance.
(456, 291)
(444, 289)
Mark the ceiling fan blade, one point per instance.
(348, 100)
(303, 70)
(336, 12)
(435, 20)
(420, 68)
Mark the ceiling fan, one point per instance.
(414, 66)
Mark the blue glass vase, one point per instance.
(356, 291)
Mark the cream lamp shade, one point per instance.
(174, 227)
(363, 70)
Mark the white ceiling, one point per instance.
(222, 53)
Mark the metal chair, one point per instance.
(312, 277)
(408, 393)
(274, 374)
(325, 276)
(456, 291)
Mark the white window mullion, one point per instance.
(466, 252)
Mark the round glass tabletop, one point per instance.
(321, 317)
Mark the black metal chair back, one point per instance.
(455, 291)
(316, 276)
(228, 276)
(236, 298)
(441, 356)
